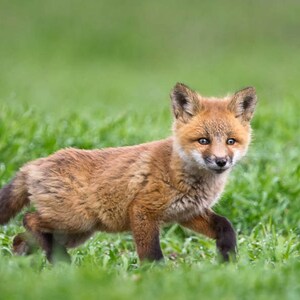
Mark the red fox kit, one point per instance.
(138, 188)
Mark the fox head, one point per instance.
(212, 133)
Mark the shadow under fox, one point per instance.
(137, 188)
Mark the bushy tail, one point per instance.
(13, 197)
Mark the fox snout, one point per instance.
(218, 163)
(221, 161)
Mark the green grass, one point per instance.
(93, 74)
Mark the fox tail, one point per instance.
(13, 197)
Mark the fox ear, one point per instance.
(185, 102)
(243, 103)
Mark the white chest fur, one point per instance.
(184, 208)
(201, 196)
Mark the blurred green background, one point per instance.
(92, 74)
(81, 55)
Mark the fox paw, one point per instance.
(23, 244)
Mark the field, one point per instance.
(92, 74)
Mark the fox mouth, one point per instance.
(220, 170)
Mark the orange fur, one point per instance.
(138, 188)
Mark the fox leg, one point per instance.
(146, 235)
(42, 232)
(72, 240)
(218, 228)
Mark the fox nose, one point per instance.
(221, 162)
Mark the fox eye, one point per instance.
(230, 141)
(204, 141)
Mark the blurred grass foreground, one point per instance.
(93, 74)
